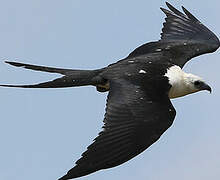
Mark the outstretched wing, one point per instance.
(133, 121)
(183, 37)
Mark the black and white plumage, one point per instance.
(138, 109)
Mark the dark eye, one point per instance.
(197, 83)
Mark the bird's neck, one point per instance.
(179, 81)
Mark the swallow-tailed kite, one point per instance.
(140, 86)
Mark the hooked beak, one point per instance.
(206, 87)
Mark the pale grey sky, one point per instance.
(44, 131)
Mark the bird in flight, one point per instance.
(138, 109)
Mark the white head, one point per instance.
(184, 83)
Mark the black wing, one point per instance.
(133, 122)
(183, 37)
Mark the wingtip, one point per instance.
(172, 8)
(189, 14)
(162, 9)
(184, 9)
(168, 4)
(165, 11)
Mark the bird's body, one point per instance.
(140, 86)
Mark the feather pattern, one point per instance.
(183, 37)
(128, 130)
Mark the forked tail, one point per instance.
(71, 77)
